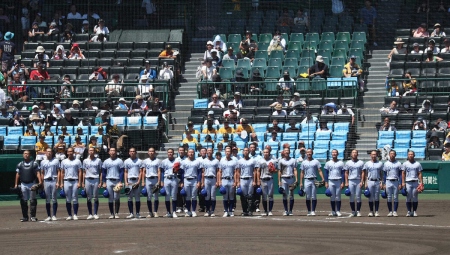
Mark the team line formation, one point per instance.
(183, 179)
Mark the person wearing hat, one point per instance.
(246, 51)
(53, 29)
(63, 131)
(99, 74)
(190, 127)
(39, 74)
(286, 83)
(35, 112)
(275, 44)
(122, 105)
(88, 105)
(216, 61)
(231, 107)
(446, 48)
(275, 127)
(60, 53)
(319, 69)
(248, 43)
(85, 29)
(78, 147)
(165, 73)
(79, 131)
(352, 69)
(398, 49)
(416, 49)
(257, 82)
(209, 129)
(102, 118)
(67, 120)
(292, 128)
(9, 105)
(437, 32)
(75, 106)
(7, 51)
(244, 127)
(46, 131)
(113, 88)
(168, 52)
(309, 119)
(211, 116)
(296, 100)
(100, 28)
(215, 102)
(4, 114)
(100, 131)
(226, 129)
(209, 48)
(230, 55)
(421, 31)
(279, 100)
(30, 131)
(40, 147)
(98, 38)
(16, 88)
(432, 47)
(41, 57)
(446, 153)
(279, 111)
(219, 45)
(189, 138)
(150, 72)
(420, 124)
(426, 107)
(75, 52)
(346, 111)
(93, 143)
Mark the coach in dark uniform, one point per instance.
(27, 172)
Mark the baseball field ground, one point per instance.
(429, 233)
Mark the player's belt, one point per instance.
(70, 180)
(266, 178)
(287, 177)
(28, 183)
(227, 178)
(312, 178)
(50, 179)
(412, 181)
(170, 177)
(392, 180)
(246, 178)
(113, 179)
(374, 180)
(132, 179)
(210, 177)
(335, 179)
(91, 178)
(152, 177)
(189, 178)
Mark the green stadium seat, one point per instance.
(275, 62)
(312, 37)
(262, 70)
(359, 36)
(325, 45)
(292, 54)
(302, 85)
(245, 71)
(296, 37)
(357, 44)
(261, 54)
(356, 52)
(273, 72)
(229, 63)
(306, 61)
(337, 61)
(295, 46)
(234, 38)
(271, 86)
(235, 46)
(260, 62)
(263, 45)
(341, 45)
(222, 36)
(336, 71)
(277, 54)
(328, 36)
(244, 63)
(341, 53)
(308, 53)
(291, 62)
(226, 73)
(302, 69)
(343, 36)
(310, 45)
(266, 38)
(324, 53)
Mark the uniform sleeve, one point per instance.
(419, 168)
(365, 166)
(403, 167)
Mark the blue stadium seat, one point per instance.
(69, 130)
(403, 134)
(85, 129)
(418, 143)
(27, 142)
(338, 145)
(49, 140)
(207, 145)
(134, 123)
(292, 145)
(320, 154)
(401, 143)
(200, 103)
(339, 135)
(3, 130)
(94, 130)
(419, 134)
(121, 122)
(386, 135)
(16, 131)
(240, 145)
(11, 142)
(290, 137)
(402, 153)
(274, 145)
(382, 142)
(341, 126)
(321, 144)
(151, 122)
(268, 136)
(261, 136)
(419, 152)
(259, 127)
(190, 145)
(203, 136)
(309, 128)
(323, 136)
(308, 143)
(306, 136)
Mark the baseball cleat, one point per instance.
(377, 214)
(54, 218)
(332, 213)
(257, 210)
(149, 215)
(138, 216)
(174, 215)
(34, 219)
(185, 210)
(75, 217)
(155, 214)
(225, 214)
(285, 213)
(358, 214)
(24, 219)
(265, 214)
(213, 215)
(178, 210)
(313, 213)
(270, 214)
(390, 214)
(353, 214)
(370, 214)
(168, 215)
(309, 213)
(395, 214)
(111, 217)
(96, 217)
(48, 218)
(408, 214)
(338, 213)
(187, 215)
(116, 216)
(231, 214)
(201, 210)
(69, 218)
(290, 213)
(415, 214)
(131, 216)
(194, 214)
(206, 215)
(90, 217)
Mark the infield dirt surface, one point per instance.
(427, 234)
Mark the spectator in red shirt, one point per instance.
(40, 73)
(16, 87)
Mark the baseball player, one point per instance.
(170, 182)
(50, 174)
(227, 179)
(265, 180)
(334, 180)
(201, 199)
(27, 172)
(287, 178)
(150, 167)
(210, 167)
(354, 180)
(112, 176)
(92, 167)
(192, 181)
(71, 173)
(309, 169)
(374, 171)
(412, 174)
(180, 198)
(133, 174)
(256, 157)
(246, 178)
(392, 170)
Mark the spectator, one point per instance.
(309, 119)
(432, 58)
(4, 114)
(85, 29)
(30, 130)
(426, 107)
(190, 127)
(18, 120)
(209, 48)
(286, 84)
(210, 116)
(432, 47)
(248, 42)
(158, 107)
(216, 61)
(88, 105)
(38, 19)
(67, 120)
(387, 125)
(57, 19)
(19, 68)
(113, 88)
(7, 52)
(73, 14)
(274, 127)
(405, 108)
(150, 11)
(292, 128)
(301, 20)
(226, 138)
(102, 119)
(416, 49)
(168, 53)
(145, 88)
(237, 101)
(346, 111)
(67, 37)
(446, 153)
(296, 100)
(446, 48)
(240, 84)
(409, 85)
(230, 55)
(215, 102)
(319, 69)
(329, 109)
(282, 40)
(398, 48)
(75, 52)
(434, 142)
(151, 73)
(91, 14)
(66, 89)
(36, 112)
(323, 127)
(39, 74)
(419, 124)
(421, 31)
(219, 45)
(75, 106)
(279, 111)
(101, 28)
(279, 100)
(98, 75)
(439, 125)
(122, 105)
(437, 32)
(233, 117)
(41, 57)
(189, 138)
(300, 108)
(351, 69)
(368, 17)
(209, 127)
(16, 88)
(447, 139)
(165, 73)
(25, 21)
(273, 137)
(231, 108)
(10, 105)
(98, 38)
(391, 109)
(60, 53)
(246, 51)
(275, 44)
(256, 88)
(226, 129)
(285, 20)
(244, 126)
(85, 122)
(34, 31)
(53, 29)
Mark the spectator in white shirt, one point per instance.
(416, 49)
(98, 38)
(346, 111)
(165, 73)
(446, 48)
(208, 70)
(100, 28)
(237, 101)
(73, 14)
(215, 102)
(226, 114)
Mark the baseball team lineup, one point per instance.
(189, 180)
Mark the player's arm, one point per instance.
(219, 177)
(203, 177)
(100, 177)
(80, 176)
(421, 177)
(126, 176)
(382, 177)
(363, 176)
(62, 173)
(16, 180)
(121, 175)
(255, 178)
(342, 177)
(404, 178)
(235, 175)
(238, 176)
(326, 176)
(160, 176)
(279, 177)
(104, 176)
(346, 176)
(258, 176)
(295, 174)
(302, 175)
(319, 169)
(142, 176)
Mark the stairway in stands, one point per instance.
(373, 101)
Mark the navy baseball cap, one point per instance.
(353, 56)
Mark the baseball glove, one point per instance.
(420, 188)
(118, 187)
(155, 189)
(35, 187)
(293, 186)
(176, 167)
(272, 168)
(135, 186)
(319, 184)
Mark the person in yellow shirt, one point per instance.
(226, 129)
(189, 138)
(193, 131)
(446, 153)
(64, 131)
(40, 147)
(244, 126)
(46, 131)
(60, 148)
(30, 131)
(210, 128)
(351, 69)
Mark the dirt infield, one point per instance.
(427, 234)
